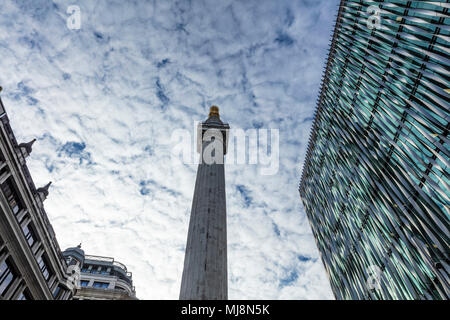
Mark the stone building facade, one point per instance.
(32, 266)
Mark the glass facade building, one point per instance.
(375, 182)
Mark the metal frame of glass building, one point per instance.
(375, 182)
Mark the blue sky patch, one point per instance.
(284, 39)
(303, 258)
(160, 92)
(245, 194)
(75, 150)
(291, 278)
(163, 63)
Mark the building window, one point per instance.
(98, 284)
(96, 270)
(58, 292)
(7, 276)
(11, 195)
(25, 295)
(44, 268)
(29, 234)
(84, 283)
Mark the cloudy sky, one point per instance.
(104, 100)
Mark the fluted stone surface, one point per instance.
(205, 265)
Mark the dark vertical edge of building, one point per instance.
(312, 136)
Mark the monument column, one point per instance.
(205, 263)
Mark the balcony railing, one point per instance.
(109, 261)
(99, 258)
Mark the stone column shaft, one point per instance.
(205, 265)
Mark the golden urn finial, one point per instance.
(214, 111)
